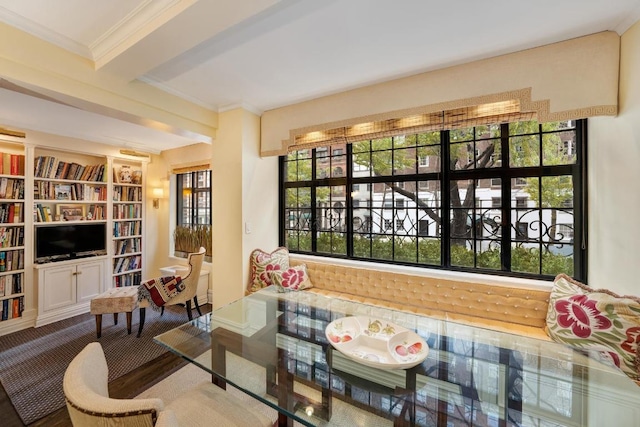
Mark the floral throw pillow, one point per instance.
(261, 263)
(293, 278)
(596, 321)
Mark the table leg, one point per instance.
(219, 364)
(285, 390)
(115, 318)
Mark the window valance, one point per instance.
(574, 79)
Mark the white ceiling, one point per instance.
(263, 54)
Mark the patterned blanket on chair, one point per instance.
(159, 291)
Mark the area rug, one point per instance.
(33, 361)
(176, 384)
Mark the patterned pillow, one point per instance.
(596, 321)
(261, 263)
(293, 278)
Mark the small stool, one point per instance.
(115, 300)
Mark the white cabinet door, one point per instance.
(90, 280)
(59, 287)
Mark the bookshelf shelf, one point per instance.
(127, 230)
(12, 232)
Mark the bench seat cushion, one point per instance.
(495, 325)
(492, 304)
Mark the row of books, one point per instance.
(43, 190)
(42, 213)
(12, 164)
(11, 213)
(50, 167)
(127, 263)
(128, 228)
(127, 194)
(10, 284)
(127, 211)
(95, 212)
(11, 188)
(11, 236)
(127, 246)
(131, 279)
(11, 260)
(11, 308)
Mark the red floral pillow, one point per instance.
(596, 321)
(261, 263)
(293, 278)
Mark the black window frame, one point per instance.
(195, 191)
(507, 174)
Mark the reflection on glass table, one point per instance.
(273, 347)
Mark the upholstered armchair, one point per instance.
(190, 281)
(190, 292)
(86, 392)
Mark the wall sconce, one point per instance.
(158, 193)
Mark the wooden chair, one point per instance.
(86, 393)
(189, 293)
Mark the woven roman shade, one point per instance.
(485, 114)
(178, 169)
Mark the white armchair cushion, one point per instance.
(86, 391)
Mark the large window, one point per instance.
(500, 199)
(194, 198)
(193, 216)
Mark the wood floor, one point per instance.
(127, 386)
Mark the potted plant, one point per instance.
(188, 239)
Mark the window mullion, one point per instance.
(506, 199)
(314, 207)
(349, 200)
(445, 185)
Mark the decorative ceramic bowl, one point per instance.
(377, 343)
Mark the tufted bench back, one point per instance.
(430, 296)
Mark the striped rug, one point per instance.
(33, 361)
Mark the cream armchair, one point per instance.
(190, 292)
(85, 387)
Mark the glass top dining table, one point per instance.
(273, 347)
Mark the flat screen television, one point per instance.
(67, 241)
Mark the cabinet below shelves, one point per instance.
(66, 288)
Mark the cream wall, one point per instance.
(245, 194)
(157, 221)
(614, 174)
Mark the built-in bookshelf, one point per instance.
(69, 187)
(127, 232)
(12, 232)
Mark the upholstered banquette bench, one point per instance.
(514, 309)
(597, 322)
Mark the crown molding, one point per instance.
(628, 21)
(140, 22)
(53, 37)
(250, 108)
